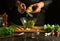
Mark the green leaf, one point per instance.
(29, 24)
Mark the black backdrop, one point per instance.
(52, 14)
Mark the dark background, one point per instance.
(52, 15)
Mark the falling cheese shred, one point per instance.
(29, 9)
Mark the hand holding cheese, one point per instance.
(35, 8)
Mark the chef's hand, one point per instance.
(36, 7)
(21, 7)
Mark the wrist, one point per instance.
(41, 4)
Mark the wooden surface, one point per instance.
(9, 36)
(21, 29)
(32, 29)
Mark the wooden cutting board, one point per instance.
(32, 29)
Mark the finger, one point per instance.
(36, 11)
(21, 11)
(23, 6)
(32, 5)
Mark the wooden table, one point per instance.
(41, 36)
(21, 29)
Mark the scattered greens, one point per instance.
(10, 31)
(29, 24)
(6, 31)
(51, 28)
(57, 28)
